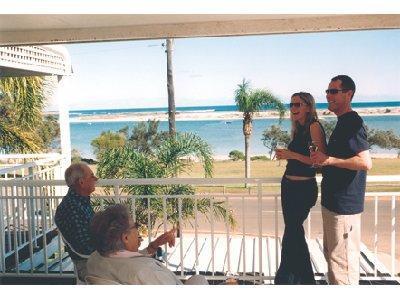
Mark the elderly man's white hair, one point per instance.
(74, 172)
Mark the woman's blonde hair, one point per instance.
(311, 117)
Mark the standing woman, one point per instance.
(299, 190)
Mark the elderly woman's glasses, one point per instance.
(136, 226)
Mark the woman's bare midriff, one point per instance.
(291, 177)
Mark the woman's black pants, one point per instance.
(297, 197)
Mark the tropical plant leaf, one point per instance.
(14, 139)
(24, 129)
(177, 153)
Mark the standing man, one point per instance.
(74, 215)
(343, 185)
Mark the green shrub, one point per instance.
(76, 156)
(236, 155)
(259, 157)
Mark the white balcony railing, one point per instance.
(251, 250)
(21, 223)
(31, 166)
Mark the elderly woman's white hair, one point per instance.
(74, 172)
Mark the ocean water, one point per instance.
(223, 136)
(220, 108)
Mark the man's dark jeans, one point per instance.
(297, 197)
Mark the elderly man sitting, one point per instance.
(117, 258)
(74, 214)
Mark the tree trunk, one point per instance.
(171, 92)
(247, 156)
(247, 129)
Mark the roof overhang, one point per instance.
(56, 29)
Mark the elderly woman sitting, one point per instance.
(117, 257)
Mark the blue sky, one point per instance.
(207, 70)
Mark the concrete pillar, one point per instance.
(61, 97)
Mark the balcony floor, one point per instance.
(243, 258)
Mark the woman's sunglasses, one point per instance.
(297, 104)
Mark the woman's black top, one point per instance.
(300, 144)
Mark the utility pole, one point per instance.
(171, 104)
(170, 87)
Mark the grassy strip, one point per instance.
(261, 168)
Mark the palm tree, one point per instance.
(171, 158)
(21, 106)
(249, 102)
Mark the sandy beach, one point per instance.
(212, 115)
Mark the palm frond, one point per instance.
(21, 111)
(242, 95)
(250, 101)
(175, 153)
(28, 97)
(14, 139)
(264, 99)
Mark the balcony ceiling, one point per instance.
(36, 29)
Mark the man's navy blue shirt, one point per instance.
(343, 190)
(73, 217)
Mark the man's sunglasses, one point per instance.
(297, 105)
(335, 91)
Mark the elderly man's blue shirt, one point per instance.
(73, 217)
